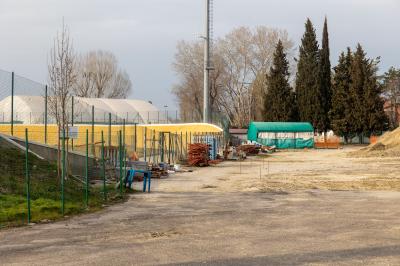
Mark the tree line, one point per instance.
(348, 100)
(253, 80)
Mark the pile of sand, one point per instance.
(387, 146)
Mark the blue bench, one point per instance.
(146, 178)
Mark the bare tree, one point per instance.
(61, 75)
(189, 91)
(99, 76)
(391, 91)
(240, 60)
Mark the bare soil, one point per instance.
(308, 207)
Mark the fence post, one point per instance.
(169, 148)
(45, 114)
(87, 170)
(181, 146)
(145, 144)
(186, 141)
(72, 120)
(120, 162)
(27, 177)
(135, 140)
(103, 167)
(109, 130)
(124, 145)
(92, 130)
(62, 171)
(162, 147)
(12, 103)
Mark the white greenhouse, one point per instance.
(31, 110)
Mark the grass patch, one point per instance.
(45, 191)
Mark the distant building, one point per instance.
(31, 110)
(238, 136)
(392, 112)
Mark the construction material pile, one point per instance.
(387, 146)
(249, 149)
(198, 154)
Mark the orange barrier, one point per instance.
(331, 143)
(373, 139)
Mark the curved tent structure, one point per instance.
(283, 135)
(31, 110)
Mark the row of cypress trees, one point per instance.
(348, 101)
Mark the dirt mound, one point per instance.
(387, 146)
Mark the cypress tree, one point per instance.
(368, 116)
(357, 74)
(307, 79)
(341, 99)
(325, 80)
(279, 101)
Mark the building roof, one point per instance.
(31, 109)
(238, 130)
(256, 127)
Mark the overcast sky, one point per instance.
(143, 34)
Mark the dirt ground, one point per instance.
(298, 207)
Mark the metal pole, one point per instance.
(87, 170)
(186, 137)
(206, 64)
(145, 145)
(169, 147)
(120, 161)
(12, 103)
(162, 147)
(93, 130)
(72, 120)
(27, 177)
(124, 146)
(103, 167)
(109, 130)
(45, 114)
(181, 146)
(135, 140)
(62, 171)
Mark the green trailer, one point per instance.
(282, 135)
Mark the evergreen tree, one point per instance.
(279, 102)
(341, 99)
(325, 80)
(307, 79)
(368, 116)
(376, 119)
(358, 76)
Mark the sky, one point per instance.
(143, 34)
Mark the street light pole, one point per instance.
(206, 65)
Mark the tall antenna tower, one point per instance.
(207, 61)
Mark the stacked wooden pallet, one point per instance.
(198, 154)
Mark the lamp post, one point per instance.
(166, 113)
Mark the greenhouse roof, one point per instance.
(256, 127)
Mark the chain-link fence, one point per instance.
(84, 170)
(24, 101)
(87, 164)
